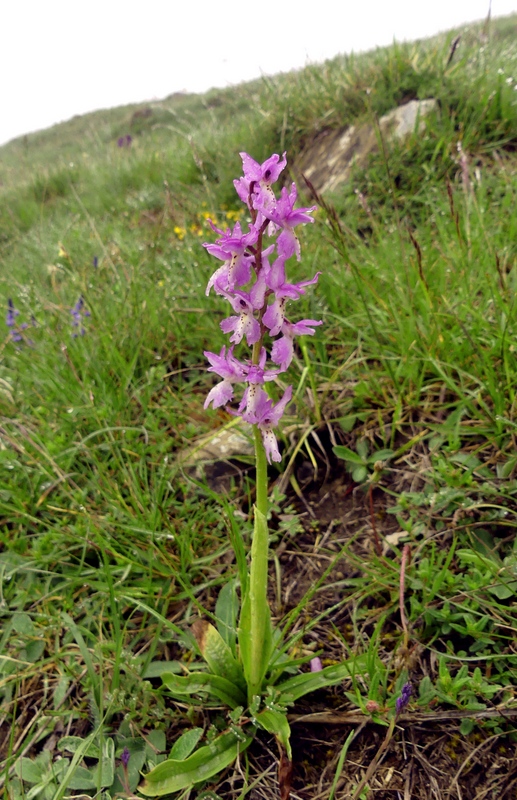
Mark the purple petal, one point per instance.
(274, 316)
(220, 395)
(226, 365)
(270, 445)
(282, 352)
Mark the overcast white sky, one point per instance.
(64, 57)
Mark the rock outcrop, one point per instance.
(328, 160)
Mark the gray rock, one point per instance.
(328, 160)
(216, 457)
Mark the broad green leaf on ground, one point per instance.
(174, 775)
(226, 612)
(275, 722)
(185, 744)
(217, 653)
(198, 682)
(294, 688)
(156, 668)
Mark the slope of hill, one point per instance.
(393, 512)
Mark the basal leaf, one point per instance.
(217, 653)
(198, 682)
(276, 723)
(72, 744)
(362, 448)
(83, 779)
(244, 635)
(503, 590)
(300, 685)
(185, 744)
(347, 455)
(359, 474)
(174, 775)
(226, 612)
(155, 742)
(106, 767)
(381, 455)
(30, 771)
(156, 668)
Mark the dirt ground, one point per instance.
(426, 757)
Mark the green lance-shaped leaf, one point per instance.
(300, 685)
(103, 774)
(174, 775)
(348, 455)
(275, 722)
(255, 636)
(217, 653)
(73, 743)
(244, 637)
(226, 612)
(197, 682)
(184, 744)
(83, 779)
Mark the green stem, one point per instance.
(261, 475)
(255, 633)
(260, 625)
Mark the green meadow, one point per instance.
(397, 548)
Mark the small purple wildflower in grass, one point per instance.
(316, 665)
(404, 698)
(124, 141)
(248, 282)
(78, 312)
(124, 757)
(12, 313)
(16, 334)
(95, 262)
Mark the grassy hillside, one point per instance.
(110, 548)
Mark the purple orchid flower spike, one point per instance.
(258, 293)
